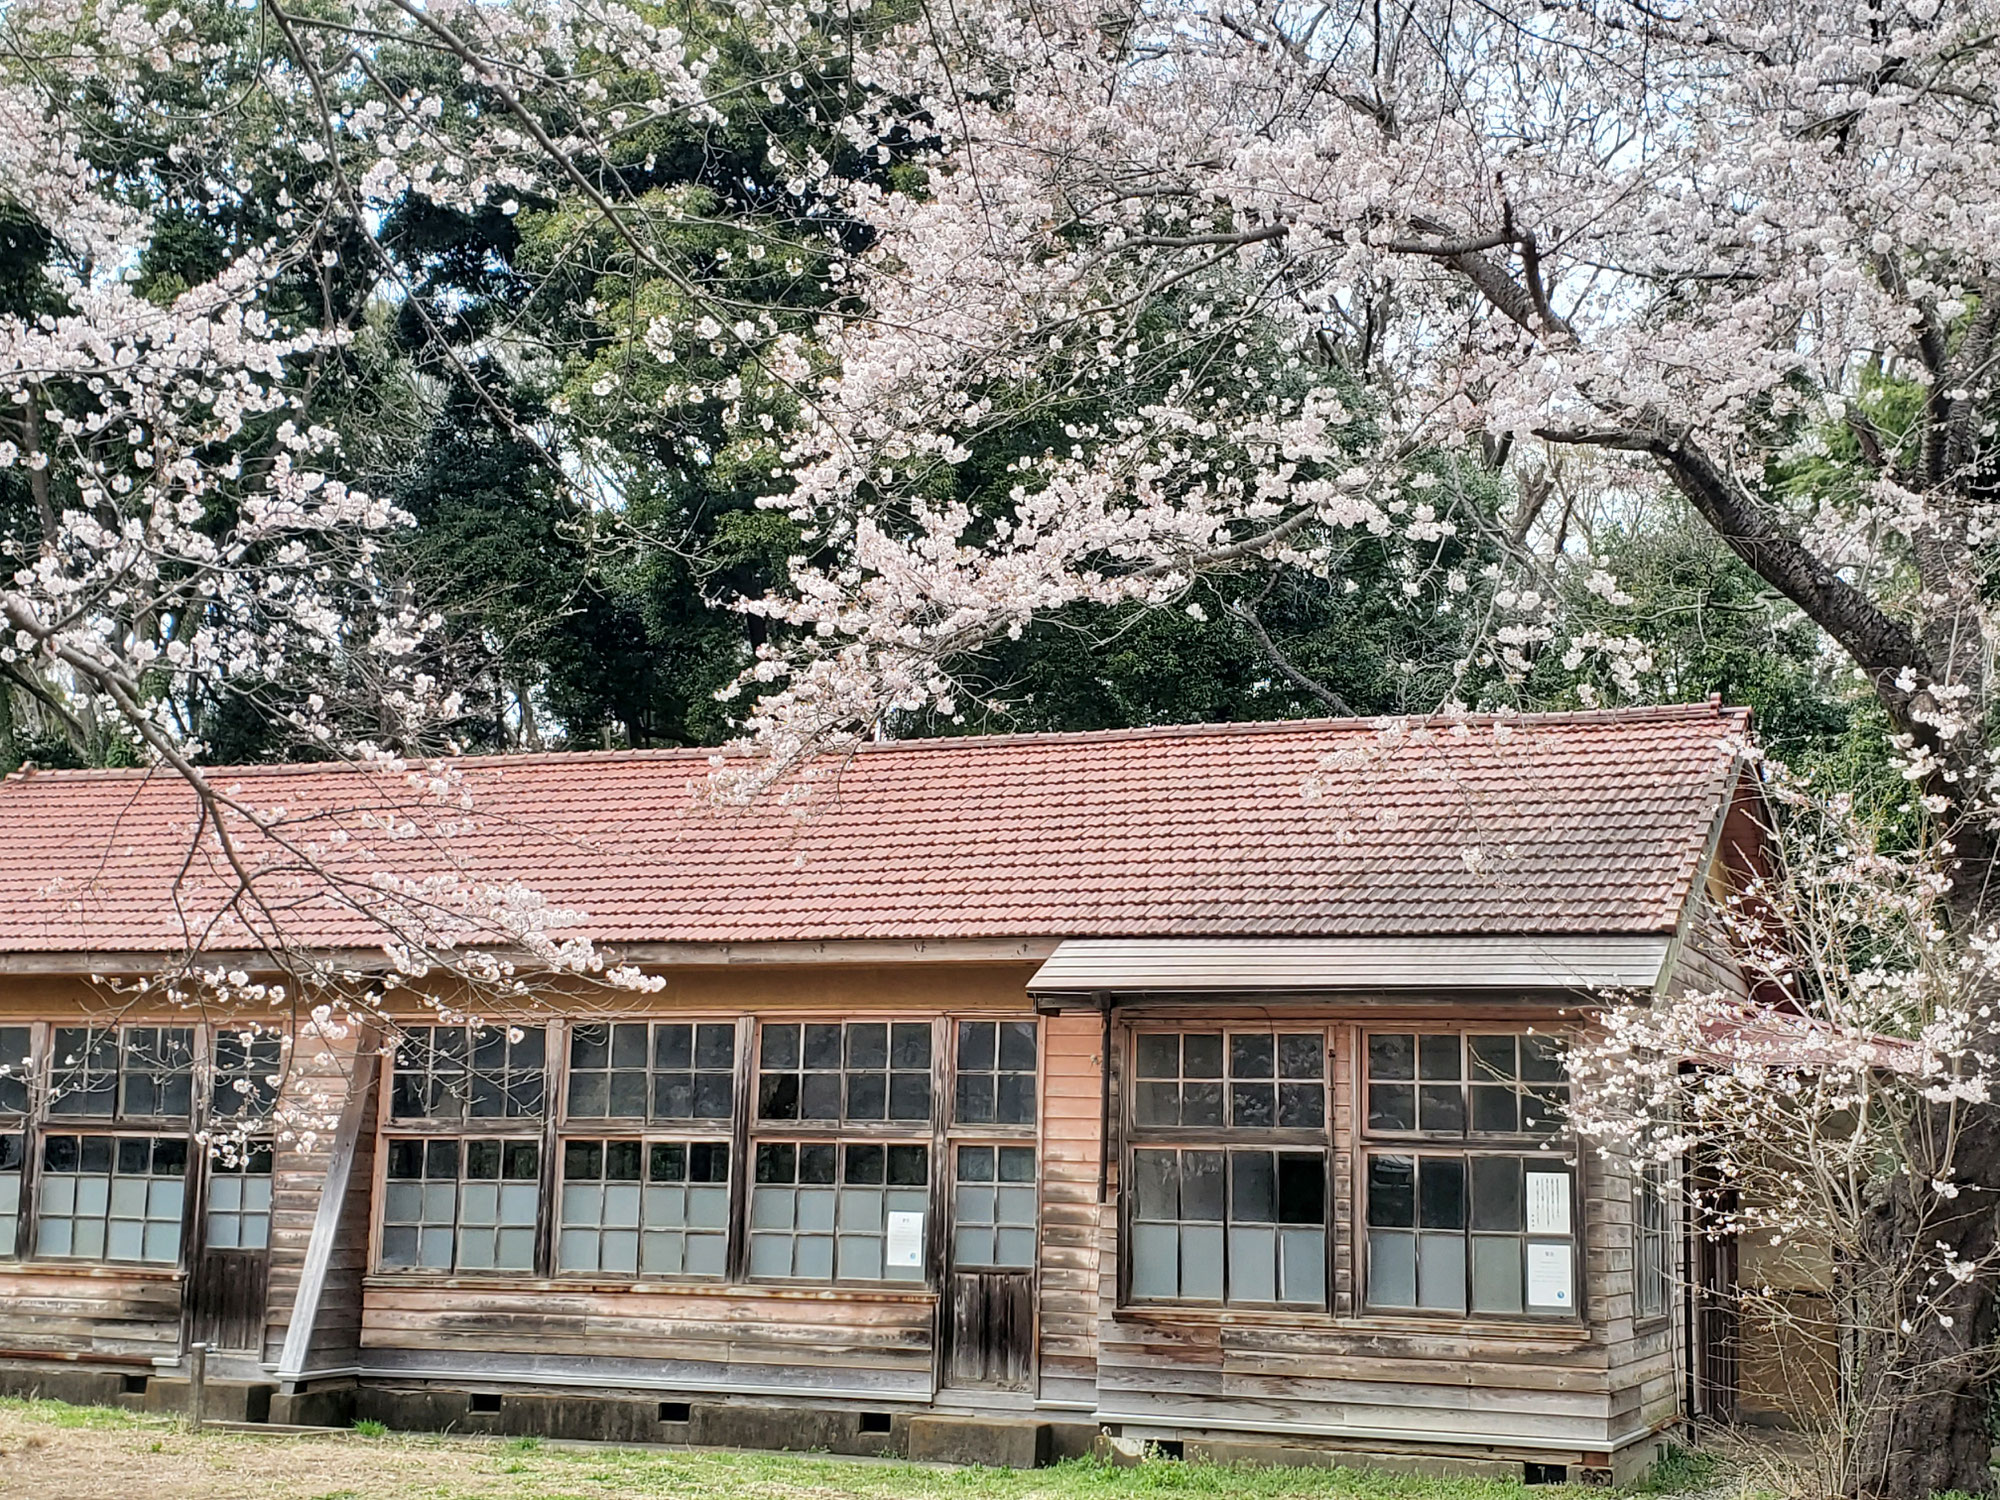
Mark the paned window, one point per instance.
(996, 1073)
(1241, 1080)
(477, 1073)
(668, 1070)
(1489, 1232)
(993, 1208)
(13, 1146)
(645, 1208)
(17, 1065)
(137, 1072)
(1487, 1229)
(848, 1212)
(245, 1074)
(107, 1197)
(239, 1199)
(1447, 1084)
(856, 1071)
(1654, 1240)
(1238, 1214)
(461, 1205)
(1229, 1226)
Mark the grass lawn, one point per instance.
(63, 1452)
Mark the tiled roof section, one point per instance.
(1578, 823)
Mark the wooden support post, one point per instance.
(197, 1384)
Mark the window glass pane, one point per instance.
(1253, 1187)
(1496, 1108)
(1301, 1106)
(1253, 1263)
(1156, 1181)
(1441, 1272)
(1392, 1197)
(1493, 1059)
(1201, 1055)
(1301, 1055)
(1202, 1261)
(1496, 1193)
(1392, 1106)
(1017, 1047)
(977, 1046)
(1392, 1057)
(1438, 1057)
(1441, 1181)
(778, 1046)
(1251, 1056)
(1155, 1261)
(1392, 1268)
(1201, 1185)
(1441, 1108)
(16, 1067)
(1496, 1273)
(1542, 1059)
(1159, 1056)
(1253, 1105)
(1543, 1109)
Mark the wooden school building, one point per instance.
(1200, 1088)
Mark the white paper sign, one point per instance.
(1548, 1202)
(906, 1240)
(1549, 1281)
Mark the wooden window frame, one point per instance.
(1134, 1137)
(990, 1133)
(647, 1120)
(578, 1133)
(39, 1122)
(1559, 1146)
(932, 1133)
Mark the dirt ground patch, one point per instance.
(49, 1451)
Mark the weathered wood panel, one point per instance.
(755, 1338)
(1072, 1135)
(81, 1312)
(327, 1070)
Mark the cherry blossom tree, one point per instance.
(1212, 279)
(1746, 249)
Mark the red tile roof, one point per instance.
(1562, 823)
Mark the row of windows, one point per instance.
(141, 1072)
(124, 1198)
(818, 1210)
(807, 1072)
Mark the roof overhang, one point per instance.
(1126, 966)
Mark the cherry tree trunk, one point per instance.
(1921, 1417)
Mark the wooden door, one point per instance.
(226, 1299)
(229, 1272)
(990, 1329)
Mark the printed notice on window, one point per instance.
(906, 1240)
(1549, 1282)
(1548, 1202)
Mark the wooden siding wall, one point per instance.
(755, 1339)
(1072, 1139)
(114, 1314)
(329, 1069)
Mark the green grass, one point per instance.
(62, 1414)
(369, 1427)
(1678, 1470)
